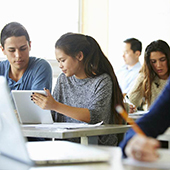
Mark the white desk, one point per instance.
(86, 134)
(165, 137)
(137, 115)
(114, 164)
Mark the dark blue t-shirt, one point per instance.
(37, 76)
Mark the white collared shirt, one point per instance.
(126, 77)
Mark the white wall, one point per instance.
(95, 21)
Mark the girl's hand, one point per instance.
(45, 102)
(132, 108)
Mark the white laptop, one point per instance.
(28, 112)
(14, 145)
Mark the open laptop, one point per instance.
(14, 145)
(28, 112)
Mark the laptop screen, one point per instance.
(12, 142)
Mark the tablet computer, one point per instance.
(28, 112)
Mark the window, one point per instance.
(45, 21)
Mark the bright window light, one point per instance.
(45, 21)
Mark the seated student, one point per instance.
(127, 73)
(153, 75)
(154, 123)
(21, 71)
(87, 90)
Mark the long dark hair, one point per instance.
(147, 70)
(95, 62)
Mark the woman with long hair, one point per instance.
(87, 90)
(153, 75)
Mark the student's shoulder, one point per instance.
(62, 77)
(140, 75)
(4, 63)
(38, 61)
(104, 76)
(121, 69)
(102, 79)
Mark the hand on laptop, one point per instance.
(45, 102)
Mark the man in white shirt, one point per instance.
(128, 72)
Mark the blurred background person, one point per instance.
(128, 73)
(153, 75)
(154, 123)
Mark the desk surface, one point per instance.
(114, 164)
(73, 133)
(165, 136)
(137, 115)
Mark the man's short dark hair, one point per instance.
(13, 29)
(136, 45)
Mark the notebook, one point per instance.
(138, 113)
(14, 145)
(28, 112)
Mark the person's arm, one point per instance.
(135, 94)
(155, 122)
(98, 109)
(49, 103)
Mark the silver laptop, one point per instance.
(14, 145)
(27, 110)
